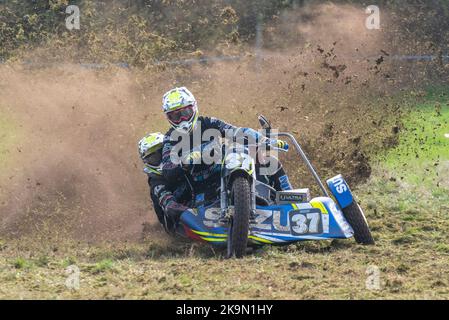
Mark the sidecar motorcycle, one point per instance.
(247, 212)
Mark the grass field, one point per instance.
(406, 202)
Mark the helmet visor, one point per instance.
(153, 159)
(180, 115)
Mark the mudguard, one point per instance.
(340, 190)
(237, 163)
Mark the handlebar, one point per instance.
(268, 143)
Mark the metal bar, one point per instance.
(305, 159)
(223, 196)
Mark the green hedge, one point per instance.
(142, 31)
(134, 31)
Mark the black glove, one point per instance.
(173, 210)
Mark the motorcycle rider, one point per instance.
(277, 179)
(181, 110)
(167, 200)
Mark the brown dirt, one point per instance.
(77, 165)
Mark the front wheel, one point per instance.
(239, 225)
(357, 220)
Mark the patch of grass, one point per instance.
(69, 261)
(442, 247)
(21, 263)
(407, 198)
(42, 261)
(423, 148)
(102, 266)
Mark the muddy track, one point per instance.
(76, 169)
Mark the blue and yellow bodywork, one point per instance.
(319, 219)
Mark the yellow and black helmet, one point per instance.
(150, 150)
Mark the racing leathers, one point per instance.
(168, 201)
(174, 172)
(277, 179)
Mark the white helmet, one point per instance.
(181, 109)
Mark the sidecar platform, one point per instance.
(280, 224)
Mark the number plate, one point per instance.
(306, 221)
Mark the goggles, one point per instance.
(180, 115)
(153, 159)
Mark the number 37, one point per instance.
(302, 223)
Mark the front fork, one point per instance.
(226, 211)
(223, 198)
(252, 215)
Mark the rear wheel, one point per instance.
(357, 220)
(239, 225)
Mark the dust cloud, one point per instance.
(75, 170)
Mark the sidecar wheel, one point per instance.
(357, 220)
(239, 227)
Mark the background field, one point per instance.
(72, 191)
